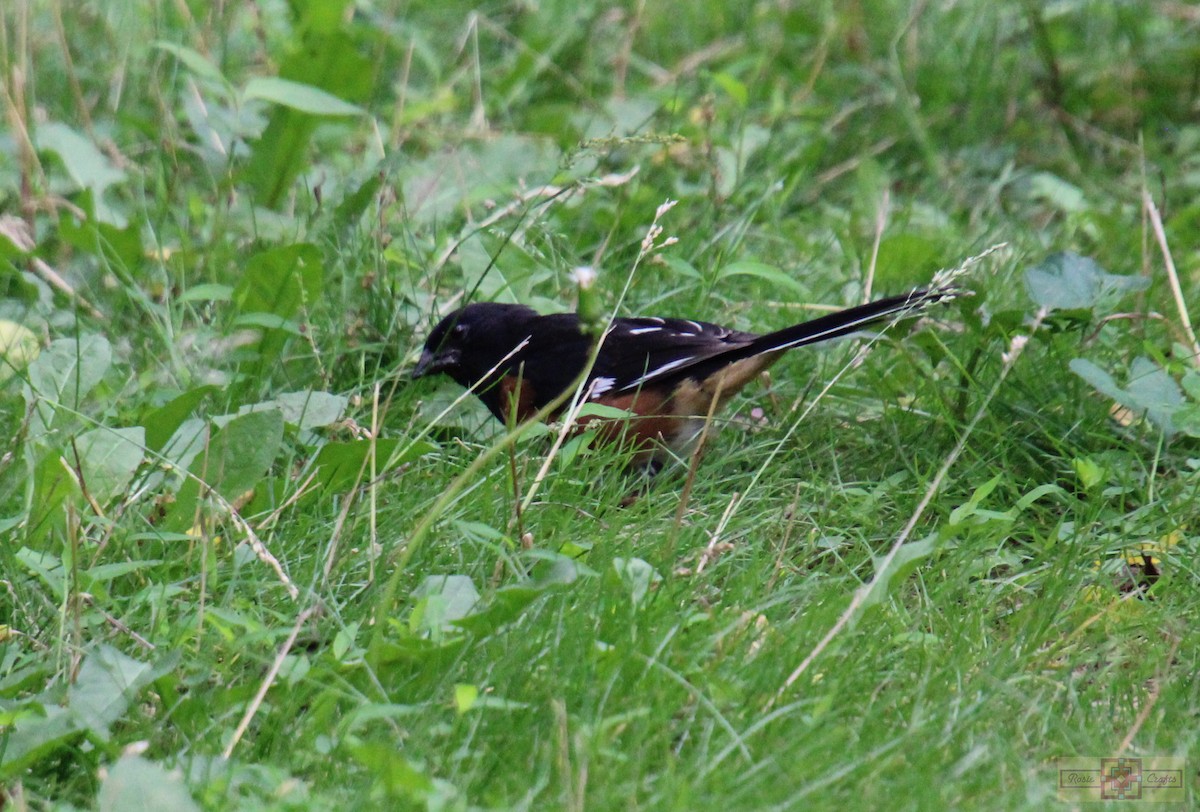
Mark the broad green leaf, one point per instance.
(728, 173)
(164, 536)
(298, 96)
(1154, 390)
(1187, 419)
(1066, 197)
(1089, 472)
(54, 482)
(1149, 390)
(310, 409)
(395, 775)
(1100, 380)
(1068, 281)
(322, 17)
(107, 682)
(503, 608)
(356, 201)
(459, 178)
(1037, 493)
(240, 453)
(86, 165)
(186, 443)
(733, 88)
(365, 713)
(916, 638)
(971, 506)
(33, 738)
(207, 293)
(195, 61)
(444, 599)
(134, 784)
(280, 155)
(629, 115)
(108, 572)
(572, 448)
(1191, 384)
(407, 648)
(907, 260)
(600, 410)
(343, 642)
(907, 558)
(109, 458)
(340, 463)
(164, 421)
(506, 272)
(492, 702)
(46, 566)
(637, 576)
(563, 567)
(683, 267)
(763, 271)
(231, 460)
(464, 697)
(63, 374)
(326, 75)
(112, 243)
(478, 531)
(234, 621)
(269, 322)
(294, 668)
(305, 409)
(280, 280)
(274, 287)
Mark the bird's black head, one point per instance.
(472, 340)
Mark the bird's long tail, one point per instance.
(850, 320)
(827, 328)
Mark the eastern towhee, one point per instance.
(665, 373)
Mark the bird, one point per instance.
(664, 375)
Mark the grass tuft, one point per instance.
(247, 562)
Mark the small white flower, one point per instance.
(584, 276)
(1014, 349)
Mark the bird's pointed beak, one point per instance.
(430, 364)
(424, 365)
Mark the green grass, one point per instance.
(329, 600)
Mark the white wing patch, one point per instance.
(654, 373)
(600, 386)
(641, 330)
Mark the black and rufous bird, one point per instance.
(665, 373)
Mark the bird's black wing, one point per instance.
(638, 351)
(635, 351)
(690, 349)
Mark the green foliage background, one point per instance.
(245, 563)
